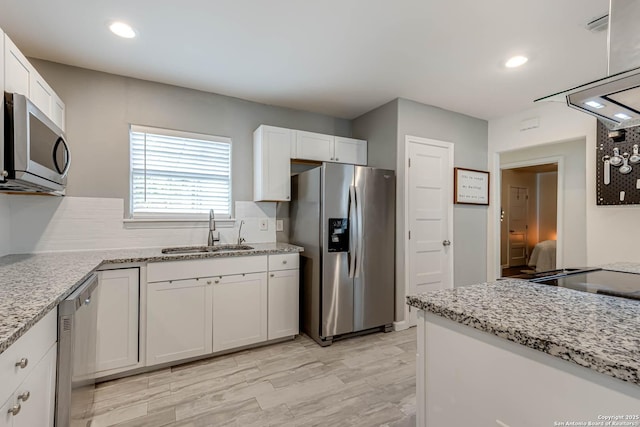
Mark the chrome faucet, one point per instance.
(213, 235)
(240, 239)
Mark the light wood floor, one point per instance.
(363, 381)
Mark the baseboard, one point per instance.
(401, 325)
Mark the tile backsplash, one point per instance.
(44, 224)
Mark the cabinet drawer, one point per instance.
(177, 270)
(32, 346)
(284, 262)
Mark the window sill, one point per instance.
(150, 223)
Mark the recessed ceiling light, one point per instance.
(516, 61)
(123, 30)
(622, 116)
(594, 104)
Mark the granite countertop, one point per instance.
(33, 284)
(595, 331)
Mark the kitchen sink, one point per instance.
(204, 249)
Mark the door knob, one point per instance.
(446, 243)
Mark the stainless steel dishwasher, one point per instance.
(77, 326)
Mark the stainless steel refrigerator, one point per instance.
(344, 217)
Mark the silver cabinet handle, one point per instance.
(273, 275)
(217, 281)
(208, 282)
(446, 243)
(284, 261)
(15, 410)
(23, 363)
(337, 159)
(24, 396)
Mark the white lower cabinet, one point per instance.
(118, 320)
(239, 310)
(284, 294)
(36, 396)
(33, 403)
(179, 320)
(236, 302)
(28, 376)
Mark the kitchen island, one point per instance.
(515, 353)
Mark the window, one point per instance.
(178, 174)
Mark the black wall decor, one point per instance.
(610, 194)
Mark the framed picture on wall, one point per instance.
(471, 186)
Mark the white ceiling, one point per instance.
(338, 57)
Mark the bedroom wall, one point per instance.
(547, 205)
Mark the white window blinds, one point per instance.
(178, 174)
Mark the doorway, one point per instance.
(529, 212)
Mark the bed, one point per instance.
(543, 257)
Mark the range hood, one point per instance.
(615, 99)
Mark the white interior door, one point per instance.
(430, 216)
(518, 213)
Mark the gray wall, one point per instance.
(101, 106)
(380, 128)
(393, 122)
(470, 138)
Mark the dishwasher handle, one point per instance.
(81, 296)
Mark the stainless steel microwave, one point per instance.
(35, 156)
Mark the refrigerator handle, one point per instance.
(359, 232)
(352, 227)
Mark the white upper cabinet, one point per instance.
(329, 148)
(314, 146)
(16, 69)
(58, 112)
(271, 160)
(40, 93)
(349, 150)
(21, 77)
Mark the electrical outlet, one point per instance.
(264, 225)
(279, 225)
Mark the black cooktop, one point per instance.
(614, 283)
(540, 275)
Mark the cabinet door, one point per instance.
(284, 303)
(16, 69)
(117, 335)
(349, 150)
(239, 310)
(314, 146)
(36, 395)
(41, 93)
(6, 418)
(272, 167)
(58, 112)
(178, 320)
